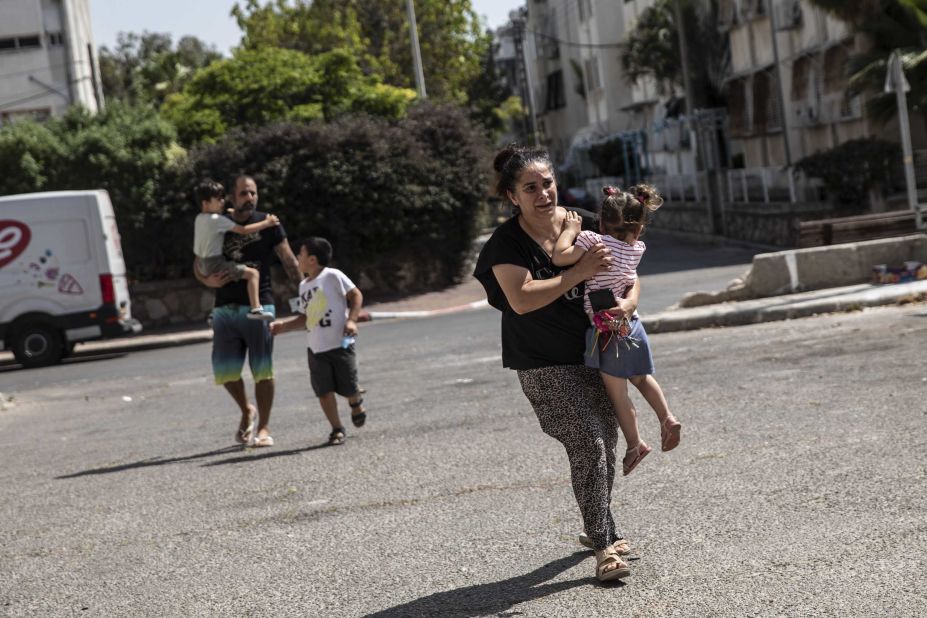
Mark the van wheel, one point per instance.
(37, 345)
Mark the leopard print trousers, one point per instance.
(573, 408)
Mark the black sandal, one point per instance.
(358, 418)
(336, 437)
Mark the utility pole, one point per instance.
(416, 52)
(702, 160)
(896, 82)
(781, 95)
(519, 26)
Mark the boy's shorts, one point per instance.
(218, 264)
(333, 371)
(234, 335)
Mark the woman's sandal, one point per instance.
(621, 546)
(609, 565)
(635, 454)
(336, 437)
(669, 433)
(358, 418)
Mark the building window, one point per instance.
(801, 75)
(28, 41)
(766, 117)
(835, 68)
(556, 97)
(55, 39)
(737, 108)
(39, 115)
(585, 9)
(593, 80)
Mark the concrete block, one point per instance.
(823, 267)
(769, 274)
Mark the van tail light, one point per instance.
(107, 290)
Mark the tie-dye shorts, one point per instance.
(234, 335)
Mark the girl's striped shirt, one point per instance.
(621, 273)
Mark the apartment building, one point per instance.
(48, 60)
(788, 83)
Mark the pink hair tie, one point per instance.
(610, 190)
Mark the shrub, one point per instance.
(851, 169)
(400, 200)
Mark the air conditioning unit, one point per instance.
(851, 108)
(788, 14)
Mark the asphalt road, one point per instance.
(799, 488)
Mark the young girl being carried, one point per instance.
(616, 343)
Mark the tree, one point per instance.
(652, 50)
(259, 86)
(452, 40)
(147, 67)
(887, 25)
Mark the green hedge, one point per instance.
(400, 200)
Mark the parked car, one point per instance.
(577, 197)
(62, 275)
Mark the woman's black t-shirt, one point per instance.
(551, 335)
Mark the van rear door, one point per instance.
(115, 263)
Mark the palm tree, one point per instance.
(652, 49)
(887, 25)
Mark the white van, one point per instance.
(62, 276)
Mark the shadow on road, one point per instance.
(494, 598)
(154, 461)
(80, 357)
(266, 454)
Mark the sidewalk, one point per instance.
(469, 296)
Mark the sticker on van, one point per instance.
(14, 238)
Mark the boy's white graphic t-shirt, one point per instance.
(323, 302)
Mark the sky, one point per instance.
(209, 20)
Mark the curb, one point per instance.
(777, 308)
(390, 315)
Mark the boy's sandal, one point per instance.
(669, 433)
(358, 417)
(636, 455)
(336, 437)
(609, 566)
(621, 546)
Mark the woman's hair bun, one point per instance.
(503, 156)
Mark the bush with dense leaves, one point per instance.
(401, 201)
(851, 169)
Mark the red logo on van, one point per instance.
(14, 238)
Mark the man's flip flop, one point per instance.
(261, 441)
(244, 436)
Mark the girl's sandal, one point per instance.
(634, 456)
(670, 431)
(609, 566)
